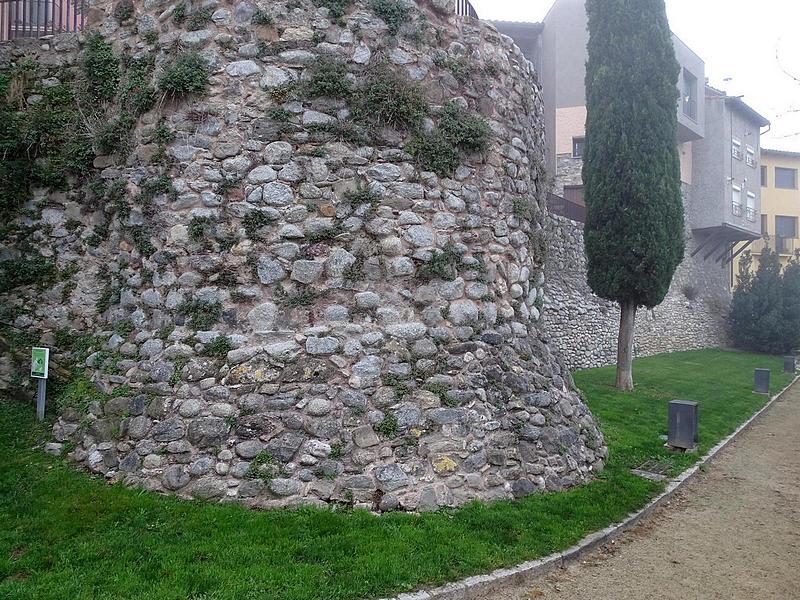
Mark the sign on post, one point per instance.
(40, 366)
(40, 362)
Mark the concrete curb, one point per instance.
(496, 581)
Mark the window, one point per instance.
(750, 157)
(736, 148)
(750, 211)
(736, 205)
(785, 232)
(786, 179)
(577, 146)
(764, 226)
(689, 95)
(764, 176)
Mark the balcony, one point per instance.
(37, 18)
(573, 209)
(736, 209)
(785, 246)
(465, 9)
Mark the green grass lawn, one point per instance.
(64, 534)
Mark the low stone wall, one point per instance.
(583, 327)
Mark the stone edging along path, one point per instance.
(496, 581)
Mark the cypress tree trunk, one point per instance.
(627, 321)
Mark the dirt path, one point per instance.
(732, 533)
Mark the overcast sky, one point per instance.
(739, 41)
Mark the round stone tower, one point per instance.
(327, 284)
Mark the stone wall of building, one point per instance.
(583, 327)
(271, 301)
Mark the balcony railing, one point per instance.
(37, 18)
(750, 214)
(566, 208)
(782, 245)
(736, 209)
(465, 9)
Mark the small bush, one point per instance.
(341, 131)
(100, 69)
(264, 466)
(218, 347)
(202, 315)
(460, 69)
(388, 427)
(434, 152)
(262, 17)
(26, 271)
(179, 14)
(114, 136)
(199, 228)
(186, 74)
(336, 8)
(521, 207)
(254, 221)
(198, 19)
(393, 12)
(140, 237)
(123, 10)
(442, 265)
(465, 131)
(306, 297)
(137, 94)
(280, 114)
(391, 99)
(361, 197)
(329, 79)
(458, 132)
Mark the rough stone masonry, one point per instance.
(388, 355)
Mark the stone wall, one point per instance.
(568, 172)
(303, 314)
(583, 327)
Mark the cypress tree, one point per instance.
(634, 234)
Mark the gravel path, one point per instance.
(732, 533)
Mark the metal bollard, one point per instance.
(682, 425)
(761, 381)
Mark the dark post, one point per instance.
(761, 384)
(682, 429)
(789, 365)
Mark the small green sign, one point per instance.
(40, 362)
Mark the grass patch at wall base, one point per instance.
(67, 535)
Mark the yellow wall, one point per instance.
(775, 201)
(570, 122)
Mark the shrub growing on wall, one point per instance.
(186, 74)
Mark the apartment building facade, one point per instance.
(779, 179)
(718, 137)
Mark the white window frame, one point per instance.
(750, 209)
(736, 207)
(736, 149)
(750, 156)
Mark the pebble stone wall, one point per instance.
(350, 378)
(583, 327)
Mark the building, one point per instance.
(718, 136)
(780, 205)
